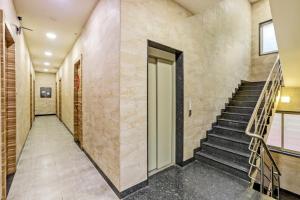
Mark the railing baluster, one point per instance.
(258, 122)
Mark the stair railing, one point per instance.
(261, 162)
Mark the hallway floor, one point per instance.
(53, 167)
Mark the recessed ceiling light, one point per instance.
(46, 70)
(46, 63)
(48, 53)
(51, 36)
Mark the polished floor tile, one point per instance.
(52, 167)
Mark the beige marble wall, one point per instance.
(217, 56)
(23, 70)
(99, 44)
(261, 65)
(45, 106)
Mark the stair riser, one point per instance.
(223, 167)
(245, 98)
(239, 110)
(242, 103)
(235, 158)
(253, 84)
(234, 134)
(245, 118)
(236, 125)
(242, 88)
(229, 144)
(248, 92)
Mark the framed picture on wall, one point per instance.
(45, 92)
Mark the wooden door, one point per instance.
(59, 100)
(78, 103)
(8, 105)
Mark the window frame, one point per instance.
(260, 38)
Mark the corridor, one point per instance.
(52, 166)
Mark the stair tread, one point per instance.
(227, 149)
(222, 161)
(244, 101)
(225, 137)
(249, 90)
(231, 120)
(240, 107)
(229, 128)
(233, 113)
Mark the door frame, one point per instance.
(31, 100)
(179, 88)
(78, 131)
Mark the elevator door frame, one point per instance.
(179, 78)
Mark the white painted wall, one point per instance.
(44, 106)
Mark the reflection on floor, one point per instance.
(194, 182)
(53, 167)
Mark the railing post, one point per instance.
(272, 180)
(262, 169)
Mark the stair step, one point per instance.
(232, 123)
(235, 116)
(251, 87)
(242, 103)
(248, 92)
(258, 83)
(230, 150)
(228, 138)
(231, 132)
(239, 109)
(246, 98)
(224, 165)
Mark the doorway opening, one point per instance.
(78, 103)
(165, 107)
(59, 100)
(8, 110)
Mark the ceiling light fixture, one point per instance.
(48, 53)
(46, 70)
(46, 63)
(51, 36)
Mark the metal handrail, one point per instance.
(257, 128)
(267, 150)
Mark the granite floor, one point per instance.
(52, 167)
(196, 181)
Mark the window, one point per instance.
(268, 43)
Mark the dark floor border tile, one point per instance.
(41, 115)
(9, 180)
(122, 194)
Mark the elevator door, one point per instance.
(161, 98)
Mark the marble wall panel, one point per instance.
(217, 56)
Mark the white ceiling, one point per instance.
(63, 17)
(286, 17)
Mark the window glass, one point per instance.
(268, 43)
(274, 138)
(292, 132)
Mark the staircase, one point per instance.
(236, 142)
(227, 145)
